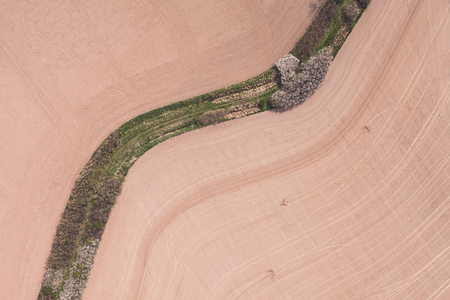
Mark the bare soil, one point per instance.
(345, 197)
(73, 71)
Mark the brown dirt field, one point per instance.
(73, 71)
(344, 197)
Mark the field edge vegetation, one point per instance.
(97, 187)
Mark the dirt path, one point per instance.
(345, 197)
(73, 71)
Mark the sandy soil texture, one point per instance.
(73, 71)
(345, 197)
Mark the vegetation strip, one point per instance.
(99, 183)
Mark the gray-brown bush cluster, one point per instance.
(304, 84)
(75, 285)
(350, 13)
(69, 229)
(319, 26)
(286, 66)
(108, 192)
(363, 3)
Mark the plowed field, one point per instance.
(73, 71)
(344, 197)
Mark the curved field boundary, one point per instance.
(99, 183)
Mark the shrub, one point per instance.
(69, 229)
(47, 290)
(98, 224)
(103, 153)
(306, 82)
(308, 43)
(76, 274)
(67, 232)
(101, 208)
(350, 13)
(211, 117)
(363, 3)
(286, 67)
(265, 103)
(79, 266)
(109, 190)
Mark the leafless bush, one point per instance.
(109, 190)
(308, 43)
(211, 117)
(106, 197)
(363, 3)
(104, 152)
(286, 66)
(69, 229)
(81, 268)
(67, 233)
(350, 13)
(306, 82)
